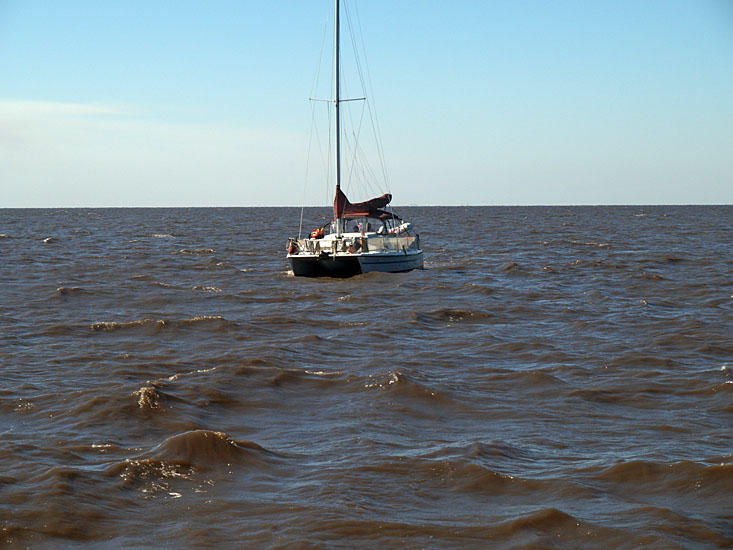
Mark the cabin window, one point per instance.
(363, 225)
(391, 223)
(367, 225)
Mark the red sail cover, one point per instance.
(342, 208)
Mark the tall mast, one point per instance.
(337, 90)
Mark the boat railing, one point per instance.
(391, 243)
(371, 243)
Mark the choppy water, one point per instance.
(555, 377)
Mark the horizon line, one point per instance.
(516, 205)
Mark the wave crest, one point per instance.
(197, 251)
(147, 397)
(681, 476)
(182, 455)
(69, 290)
(214, 322)
(448, 316)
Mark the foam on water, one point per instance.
(555, 377)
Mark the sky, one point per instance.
(182, 103)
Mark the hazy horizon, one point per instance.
(505, 103)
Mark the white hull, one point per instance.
(391, 263)
(345, 264)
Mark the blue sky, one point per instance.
(163, 103)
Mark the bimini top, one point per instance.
(342, 208)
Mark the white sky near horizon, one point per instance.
(206, 104)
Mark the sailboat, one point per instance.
(361, 237)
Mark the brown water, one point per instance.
(555, 377)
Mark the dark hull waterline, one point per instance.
(326, 265)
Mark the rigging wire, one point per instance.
(369, 87)
(314, 126)
(359, 169)
(356, 150)
(307, 170)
